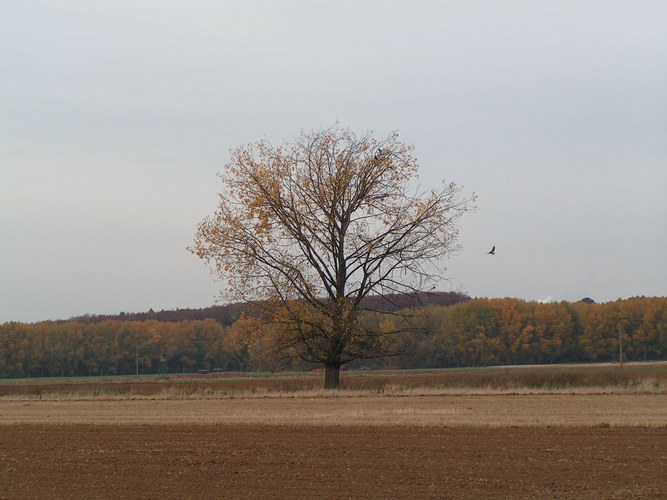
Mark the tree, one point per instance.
(511, 322)
(311, 228)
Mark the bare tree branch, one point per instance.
(314, 227)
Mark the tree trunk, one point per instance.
(332, 377)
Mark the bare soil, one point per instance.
(314, 461)
(338, 445)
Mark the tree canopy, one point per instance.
(313, 227)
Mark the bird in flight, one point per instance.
(493, 251)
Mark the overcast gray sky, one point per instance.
(116, 116)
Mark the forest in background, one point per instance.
(454, 331)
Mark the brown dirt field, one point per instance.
(314, 461)
(337, 445)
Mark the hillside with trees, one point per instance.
(452, 332)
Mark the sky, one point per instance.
(115, 118)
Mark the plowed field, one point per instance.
(336, 445)
(283, 461)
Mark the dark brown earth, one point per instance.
(256, 461)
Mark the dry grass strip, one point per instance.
(464, 410)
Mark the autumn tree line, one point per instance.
(478, 332)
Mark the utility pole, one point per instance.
(620, 344)
(619, 327)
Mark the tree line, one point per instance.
(478, 332)
(506, 331)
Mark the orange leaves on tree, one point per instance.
(328, 220)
